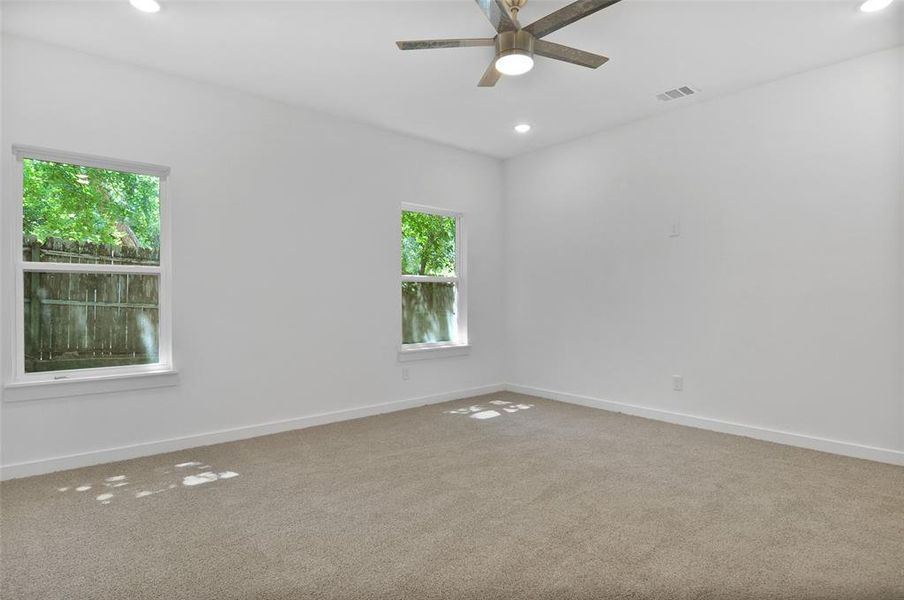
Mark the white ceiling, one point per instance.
(339, 56)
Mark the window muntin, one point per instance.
(91, 287)
(433, 311)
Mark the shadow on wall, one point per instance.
(192, 473)
(477, 411)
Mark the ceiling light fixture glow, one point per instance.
(514, 52)
(148, 6)
(514, 64)
(522, 127)
(874, 5)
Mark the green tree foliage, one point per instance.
(428, 244)
(90, 205)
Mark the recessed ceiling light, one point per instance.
(148, 6)
(522, 127)
(874, 5)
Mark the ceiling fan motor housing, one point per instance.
(514, 42)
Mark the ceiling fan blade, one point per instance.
(490, 76)
(568, 54)
(431, 44)
(498, 14)
(566, 16)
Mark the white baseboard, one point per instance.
(885, 455)
(95, 457)
(84, 459)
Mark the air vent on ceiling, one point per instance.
(681, 92)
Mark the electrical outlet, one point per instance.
(405, 374)
(678, 383)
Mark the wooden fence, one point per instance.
(81, 320)
(428, 312)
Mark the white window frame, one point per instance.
(460, 345)
(17, 377)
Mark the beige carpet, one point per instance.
(537, 499)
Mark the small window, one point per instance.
(91, 282)
(433, 290)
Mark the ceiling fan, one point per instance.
(516, 45)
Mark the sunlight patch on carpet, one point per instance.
(476, 411)
(115, 484)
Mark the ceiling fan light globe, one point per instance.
(514, 64)
(874, 5)
(148, 6)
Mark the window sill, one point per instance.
(433, 351)
(40, 389)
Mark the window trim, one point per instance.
(461, 345)
(16, 376)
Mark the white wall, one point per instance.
(781, 302)
(286, 229)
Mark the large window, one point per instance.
(91, 273)
(433, 282)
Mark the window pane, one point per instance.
(88, 320)
(72, 213)
(428, 244)
(428, 312)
